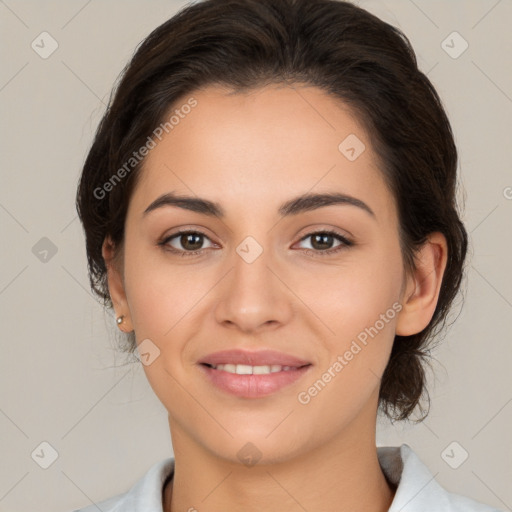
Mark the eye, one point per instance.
(321, 242)
(190, 240)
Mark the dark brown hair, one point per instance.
(366, 63)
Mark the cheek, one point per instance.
(361, 309)
(362, 315)
(166, 308)
(161, 299)
(354, 296)
(157, 294)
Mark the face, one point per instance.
(317, 281)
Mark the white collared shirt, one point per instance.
(417, 490)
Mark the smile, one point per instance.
(245, 369)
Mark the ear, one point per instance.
(116, 285)
(422, 288)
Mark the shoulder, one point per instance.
(417, 489)
(144, 496)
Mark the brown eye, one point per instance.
(190, 241)
(322, 242)
(186, 243)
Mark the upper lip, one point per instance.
(259, 358)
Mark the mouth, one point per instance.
(245, 369)
(252, 374)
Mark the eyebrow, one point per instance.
(302, 203)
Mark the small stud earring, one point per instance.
(119, 319)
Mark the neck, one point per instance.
(342, 475)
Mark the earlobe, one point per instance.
(421, 293)
(116, 286)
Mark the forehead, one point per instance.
(262, 146)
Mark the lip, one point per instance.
(253, 386)
(259, 358)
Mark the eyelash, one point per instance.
(344, 245)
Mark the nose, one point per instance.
(254, 297)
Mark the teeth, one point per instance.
(245, 369)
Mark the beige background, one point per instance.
(61, 379)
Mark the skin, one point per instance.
(251, 152)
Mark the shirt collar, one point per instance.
(417, 490)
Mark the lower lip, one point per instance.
(253, 386)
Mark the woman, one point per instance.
(269, 208)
